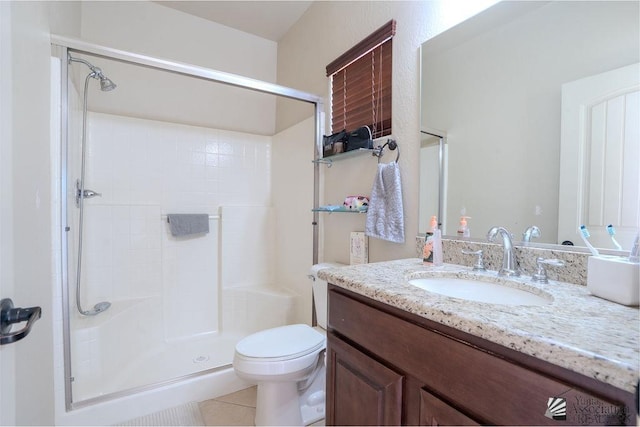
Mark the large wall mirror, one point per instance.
(496, 85)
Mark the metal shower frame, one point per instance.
(62, 46)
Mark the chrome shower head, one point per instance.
(97, 309)
(106, 84)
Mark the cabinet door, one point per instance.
(360, 390)
(435, 412)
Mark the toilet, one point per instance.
(288, 365)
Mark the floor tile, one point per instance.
(215, 413)
(246, 397)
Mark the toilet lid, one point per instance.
(285, 341)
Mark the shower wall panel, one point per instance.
(248, 246)
(190, 282)
(165, 291)
(178, 167)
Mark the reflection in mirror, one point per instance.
(433, 154)
(494, 85)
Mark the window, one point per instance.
(361, 84)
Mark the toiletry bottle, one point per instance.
(427, 250)
(463, 228)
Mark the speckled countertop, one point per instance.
(575, 330)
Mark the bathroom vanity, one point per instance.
(400, 355)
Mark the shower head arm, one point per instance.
(106, 84)
(94, 69)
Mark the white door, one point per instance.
(600, 158)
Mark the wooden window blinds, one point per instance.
(361, 84)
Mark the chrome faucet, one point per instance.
(530, 232)
(509, 267)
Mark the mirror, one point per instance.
(493, 85)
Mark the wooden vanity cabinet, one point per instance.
(389, 367)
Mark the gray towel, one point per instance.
(188, 224)
(385, 217)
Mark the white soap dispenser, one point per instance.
(463, 227)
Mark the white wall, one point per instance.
(324, 32)
(292, 181)
(148, 28)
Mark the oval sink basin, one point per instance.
(479, 291)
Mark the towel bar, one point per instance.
(164, 217)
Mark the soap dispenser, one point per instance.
(463, 228)
(427, 250)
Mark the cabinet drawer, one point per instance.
(482, 384)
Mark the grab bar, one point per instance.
(10, 315)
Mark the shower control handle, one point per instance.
(84, 194)
(90, 193)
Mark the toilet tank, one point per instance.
(320, 291)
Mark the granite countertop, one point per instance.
(577, 331)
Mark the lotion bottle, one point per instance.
(463, 228)
(427, 250)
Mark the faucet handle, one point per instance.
(479, 265)
(541, 275)
(530, 232)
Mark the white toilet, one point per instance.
(288, 364)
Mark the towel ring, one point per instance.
(393, 145)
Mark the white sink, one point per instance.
(479, 291)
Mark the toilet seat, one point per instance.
(286, 353)
(281, 344)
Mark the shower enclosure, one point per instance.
(142, 308)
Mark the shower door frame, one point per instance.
(62, 46)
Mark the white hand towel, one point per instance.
(385, 216)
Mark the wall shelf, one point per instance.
(337, 209)
(347, 154)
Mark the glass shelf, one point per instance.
(340, 209)
(347, 154)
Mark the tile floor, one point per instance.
(235, 409)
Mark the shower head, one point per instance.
(106, 84)
(97, 309)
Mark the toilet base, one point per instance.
(277, 404)
(312, 401)
(281, 404)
